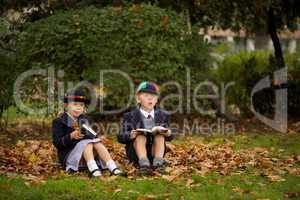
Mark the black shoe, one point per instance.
(144, 171)
(117, 172)
(95, 173)
(159, 165)
(71, 171)
(161, 169)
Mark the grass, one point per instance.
(212, 186)
(286, 143)
(249, 185)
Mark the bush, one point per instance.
(9, 69)
(293, 64)
(246, 69)
(7, 77)
(142, 40)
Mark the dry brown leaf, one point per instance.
(117, 190)
(169, 178)
(38, 157)
(189, 183)
(275, 178)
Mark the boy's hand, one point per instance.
(166, 133)
(76, 135)
(160, 130)
(133, 134)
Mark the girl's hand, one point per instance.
(76, 135)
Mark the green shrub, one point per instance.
(142, 40)
(293, 64)
(245, 70)
(9, 69)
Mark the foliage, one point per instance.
(9, 70)
(216, 167)
(245, 70)
(293, 64)
(7, 77)
(144, 41)
(253, 16)
(38, 157)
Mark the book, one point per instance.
(85, 128)
(153, 131)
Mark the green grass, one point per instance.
(248, 185)
(212, 186)
(13, 114)
(287, 143)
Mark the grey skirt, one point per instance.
(74, 159)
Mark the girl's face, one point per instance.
(147, 100)
(75, 108)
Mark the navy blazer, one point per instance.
(61, 135)
(133, 120)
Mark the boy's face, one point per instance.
(147, 100)
(75, 108)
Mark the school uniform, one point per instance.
(70, 151)
(61, 135)
(138, 119)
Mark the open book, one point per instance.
(154, 130)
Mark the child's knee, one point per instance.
(89, 147)
(98, 145)
(141, 138)
(159, 138)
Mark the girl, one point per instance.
(74, 151)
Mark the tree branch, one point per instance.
(275, 39)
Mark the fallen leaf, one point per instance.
(275, 178)
(117, 190)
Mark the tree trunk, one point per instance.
(272, 30)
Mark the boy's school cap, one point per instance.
(148, 87)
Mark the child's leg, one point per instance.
(88, 153)
(90, 161)
(141, 152)
(102, 152)
(140, 146)
(158, 148)
(105, 156)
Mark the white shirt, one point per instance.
(146, 114)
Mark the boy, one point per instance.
(72, 148)
(146, 149)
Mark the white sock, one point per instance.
(91, 164)
(111, 165)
